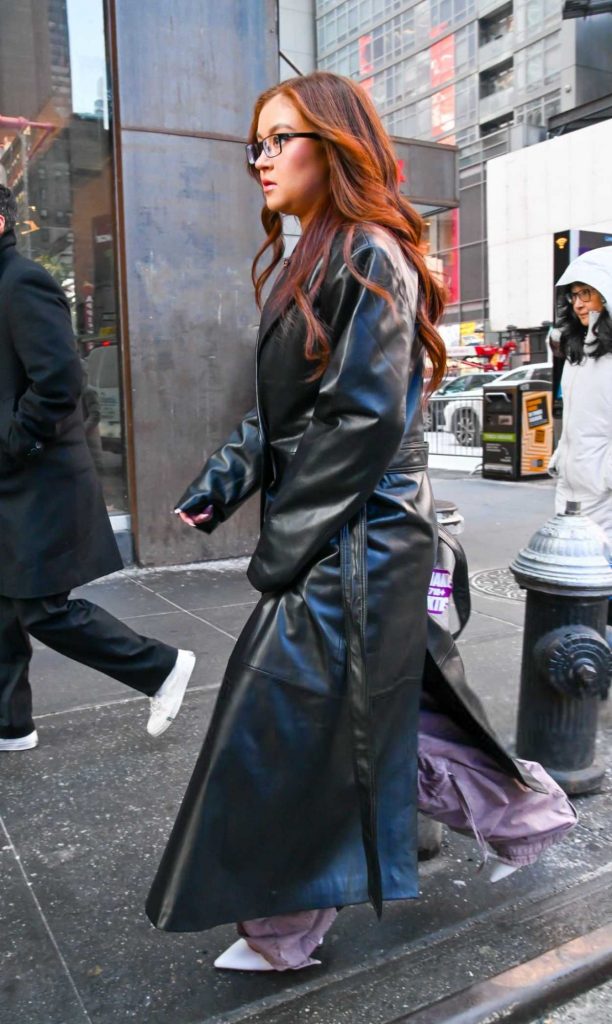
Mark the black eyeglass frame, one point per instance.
(255, 149)
(572, 297)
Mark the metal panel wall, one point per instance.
(185, 74)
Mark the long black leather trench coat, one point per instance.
(55, 533)
(304, 795)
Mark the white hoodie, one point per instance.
(583, 459)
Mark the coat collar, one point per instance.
(8, 241)
(271, 314)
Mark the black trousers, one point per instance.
(81, 631)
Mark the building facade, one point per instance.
(486, 75)
(122, 133)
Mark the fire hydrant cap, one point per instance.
(568, 554)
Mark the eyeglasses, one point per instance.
(273, 144)
(584, 294)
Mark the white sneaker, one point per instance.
(240, 957)
(23, 743)
(166, 703)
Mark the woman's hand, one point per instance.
(195, 518)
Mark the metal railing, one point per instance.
(453, 427)
(496, 49)
(495, 103)
(496, 144)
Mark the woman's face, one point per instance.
(584, 300)
(298, 177)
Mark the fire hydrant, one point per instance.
(566, 663)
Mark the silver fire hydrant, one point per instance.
(567, 663)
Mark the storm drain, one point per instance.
(497, 583)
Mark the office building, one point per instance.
(487, 75)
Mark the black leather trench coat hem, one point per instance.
(305, 795)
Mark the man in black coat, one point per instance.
(55, 533)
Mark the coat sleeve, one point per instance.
(41, 333)
(230, 476)
(357, 423)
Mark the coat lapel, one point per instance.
(270, 314)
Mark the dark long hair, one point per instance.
(573, 332)
(363, 192)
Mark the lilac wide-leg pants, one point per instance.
(462, 787)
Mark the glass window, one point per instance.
(535, 16)
(342, 23)
(465, 48)
(378, 46)
(422, 118)
(466, 93)
(539, 63)
(55, 153)
(552, 105)
(552, 57)
(421, 23)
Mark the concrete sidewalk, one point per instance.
(84, 819)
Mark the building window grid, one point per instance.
(538, 111)
(335, 26)
(391, 85)
(538, 64)
(532, 17)
(423, 20)
(414, 120)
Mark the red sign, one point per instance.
(443, 111)
(442, 61)
(366, 66)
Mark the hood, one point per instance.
(593, 268)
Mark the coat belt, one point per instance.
(354, 576)
(410, 457)
(353, 552)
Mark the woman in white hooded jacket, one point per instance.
(583, 459)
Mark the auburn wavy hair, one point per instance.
(363, 192)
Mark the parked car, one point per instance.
(463, 412)
(531, 371)
(450, 388)
(103, 375)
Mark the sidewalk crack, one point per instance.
(45, 922)
(186, 611)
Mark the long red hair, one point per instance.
(363, 191)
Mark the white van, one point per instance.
(103, 373)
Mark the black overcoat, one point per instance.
(304, 795)
(55, 533)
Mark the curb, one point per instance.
(531, 988)
(548, 948)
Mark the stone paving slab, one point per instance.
(86, 817)
(101, 799)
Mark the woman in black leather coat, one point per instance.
(304, 797)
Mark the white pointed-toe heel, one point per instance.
(240, 957)
(499, 869)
